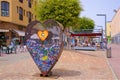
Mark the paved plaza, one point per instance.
(72, 65)
(115, 59)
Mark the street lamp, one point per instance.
(105, 22)
(105, 26)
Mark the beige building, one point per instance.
(115, 28)
(14, 17)
(108, 27)
(108, 31)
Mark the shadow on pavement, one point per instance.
(83, 53)
(66, 72)
(61, 73)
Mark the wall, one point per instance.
(115, 24)
(14, 12)
(108, 29)
(9, 18)
(115, 28)
(15, 17)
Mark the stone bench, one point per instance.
(85, 48)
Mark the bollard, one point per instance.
(109, 52)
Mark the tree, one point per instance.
(64, 11)
(84, 23)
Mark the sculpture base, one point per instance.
(48, 75)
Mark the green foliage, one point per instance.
(63, 11)
(84, 23)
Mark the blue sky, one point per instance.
(93, 7)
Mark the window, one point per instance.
(29, 4)
(29, 17)
(4, 8)
(21, 1)
(20, 13)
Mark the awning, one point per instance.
(91, 34)
(20, 33)
(4, 30)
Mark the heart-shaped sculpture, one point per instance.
(43, 34)
(44, 43)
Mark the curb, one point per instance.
(110, 67)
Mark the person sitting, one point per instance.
(13, 46)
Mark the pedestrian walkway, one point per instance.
(7, 59)
(115, 59)
(72, 65)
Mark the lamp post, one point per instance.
(105, 26)
(105, 23)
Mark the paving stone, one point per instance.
(72, 65)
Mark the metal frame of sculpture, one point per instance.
(44, 43)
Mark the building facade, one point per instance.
(15, 15)
(108, 31)
(115, 28)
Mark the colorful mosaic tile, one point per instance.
(46, 51)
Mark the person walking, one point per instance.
(72, 42)
(13, 46)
